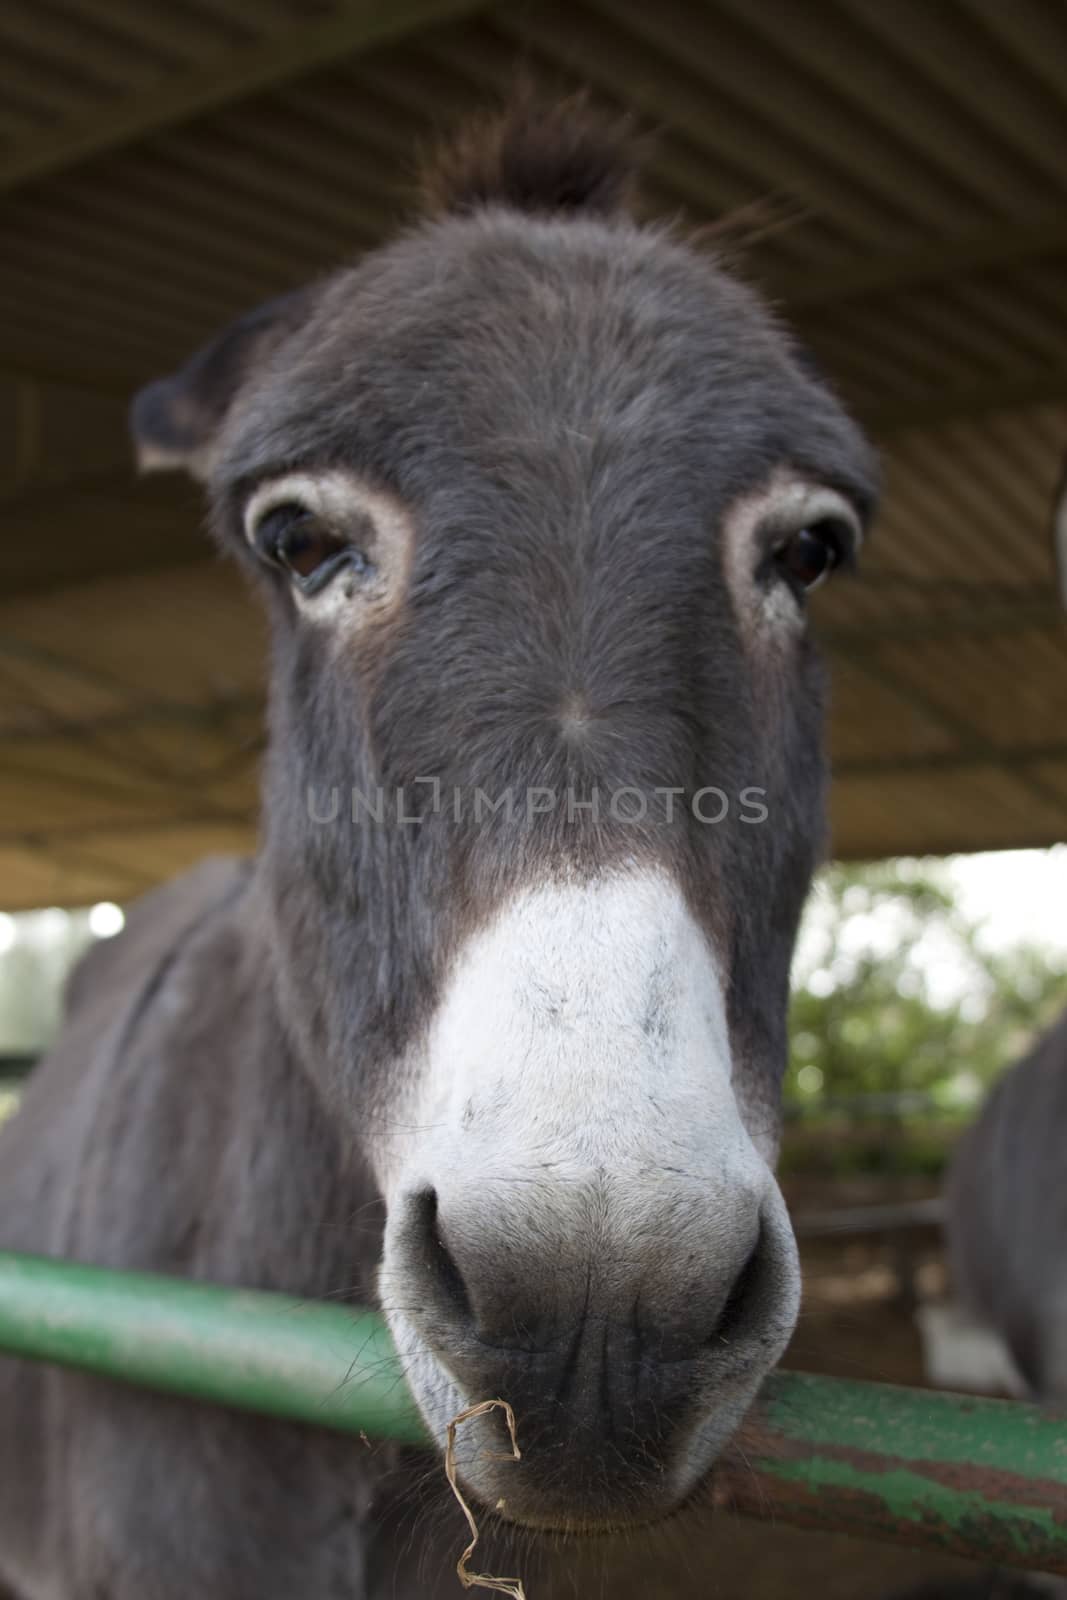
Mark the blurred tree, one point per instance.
(896, 992)
(38, 951)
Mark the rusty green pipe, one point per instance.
(981, 1478)
(973, 1477)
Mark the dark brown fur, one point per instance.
(538, 159)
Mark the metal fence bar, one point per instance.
(982, 1478)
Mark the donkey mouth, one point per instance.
(583, 1499)
(592, 1463)
(536, 1510)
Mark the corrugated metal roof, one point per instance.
(899, 174)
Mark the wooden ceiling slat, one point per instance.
(356, 119)
(894, 545)
(1022, 321)
(981, 809)
(869, 367)
(947, 534)
(677, 98)
(60, 785)
(259, 17)
(1039, 758)
(892, 270)
(1054, 775)
(988, 538)
(53, 90)
(110, 228)
(964, 65)
(358, 196)
(787, 98)
(303, 130)
(991, 683)
(32, 876)
(113, 280)
(187, 35)
(19, 122)
(907, 732)
(1031, 451)
(114, 321)
(1032, 32)
(1049, 650)
(217, 215)
(1023, 506)
(189, 634)
(93, 546)
(934, 404)
(977, 341)
(210, 157)
(47, 356)
(826, 41)
(117, 862)
(121, 829)
(1044, 285)
(60, 329)
(105, 55)
(871, 622)
(904, 338)
(1050, 425)
(237, 76)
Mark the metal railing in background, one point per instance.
(980, 1478)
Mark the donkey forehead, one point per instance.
(485, 342)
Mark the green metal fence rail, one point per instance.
(982, 1478)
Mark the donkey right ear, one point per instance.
(175, 421)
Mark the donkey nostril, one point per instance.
(439, 1265)
(736, 1310)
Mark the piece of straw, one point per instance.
(469, 1579)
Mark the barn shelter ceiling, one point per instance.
(901, 173)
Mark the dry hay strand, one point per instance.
(469, 1579)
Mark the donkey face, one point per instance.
(535, 495)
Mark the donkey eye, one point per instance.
(809, 556)
(293, 537)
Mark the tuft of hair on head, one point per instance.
(540, 156)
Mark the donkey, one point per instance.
(1006, 1217)
(491, 1031)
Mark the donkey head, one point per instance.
(535, 495)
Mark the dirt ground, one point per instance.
(856, 1322)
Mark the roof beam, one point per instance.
(216, 716)
(123, 882)
(71, 377)
(935, 405)
(361, 25)
(862, 847)
(966, 736)
(1004, 246)
(1021, 616)
(46, 839)
(952, 761)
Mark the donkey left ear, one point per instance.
(174, 421)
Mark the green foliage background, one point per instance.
(896, 993)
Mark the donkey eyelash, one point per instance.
(342, 545)
(311, 553)
(818, 506)
(311, 528)
(806, 544)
